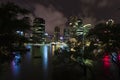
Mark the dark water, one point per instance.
(30, 68)
(41, 68)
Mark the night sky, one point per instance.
(56, 12)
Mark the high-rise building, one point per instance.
(66, 34)
(57, 33)
(39, 30)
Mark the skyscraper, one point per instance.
(66, 34)
(57, 33)
(39, 30)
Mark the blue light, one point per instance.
(28, 46)
(61, 38)
(15, 64)
(45, 57)
(19, 32)
(45, 52)
(15, 68)
(114, 56)
(17, 58)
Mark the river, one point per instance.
(38, 66)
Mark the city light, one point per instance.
(20, 32)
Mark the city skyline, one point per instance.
(57, 12)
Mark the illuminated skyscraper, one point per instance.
(39, 30)
(66, 34)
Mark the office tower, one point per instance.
(39, 30)
(57, 33)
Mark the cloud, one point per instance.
(91, 2)
(89, 20)
(52, 17)
(53, 11)
(104, 3)
(99, 3)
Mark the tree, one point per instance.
(9, 21)
(106, 32)
(12, 19)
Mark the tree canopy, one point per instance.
(9, 21)
(12, 18)
(106, 32)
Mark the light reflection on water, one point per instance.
(45, 57)
(55, 47)
(106, 64)
(52, 49)
(15, 68)
(46, 62)
(41, 66)
(36, 72)
(44, 49)
(28, 57)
